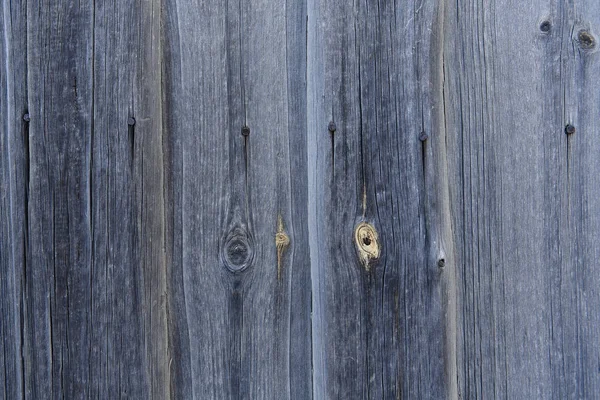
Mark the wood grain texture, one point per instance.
(83, 279)
(524, 209)
(304, 199)
(239, 305)
(379, 329)
(14, 176)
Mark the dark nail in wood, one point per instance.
(245, 130)
(131, 121)
(545, 26)
(569, 129)
(331, 127)
(26, 117)
(423, 137)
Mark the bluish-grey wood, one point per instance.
(166, 164)
(14, 176)
(379, 330)
(524, 198)
(82, 259)
(129, 337)
(239, 316)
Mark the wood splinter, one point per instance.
(367, 243)
(282, 241)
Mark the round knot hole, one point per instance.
(367, 244)
(586, 40)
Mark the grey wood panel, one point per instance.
(128, 352)
(14, 177)
(524, 209)
(239, 302)
(379, 328)
(83, 272)
(178, 158)
(57, 273)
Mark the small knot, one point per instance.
(367, 244)
(237, 252)
(586, 40)
(282, 241)
(441, 263)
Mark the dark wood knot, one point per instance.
(586, 40)
(238, 250)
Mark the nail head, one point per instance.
(26, 117)
(545, 26)
(569, 129)
(245, 130)
(131, 121)
(423, 137)
(332, 128)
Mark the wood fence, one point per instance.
(301, 199)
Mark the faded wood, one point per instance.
(304, 199)
(379, 327)
(83, 267)
(235, 131)
(524, 197)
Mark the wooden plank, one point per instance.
(238, 283)
(14, 177)
(129, 341)
(57, 273)
(525, 213)
(83, 273)
(379, 305)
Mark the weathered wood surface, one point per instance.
(304, 199)
(524, 195)
(83, 268)
(380, 327)
(239, 303)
